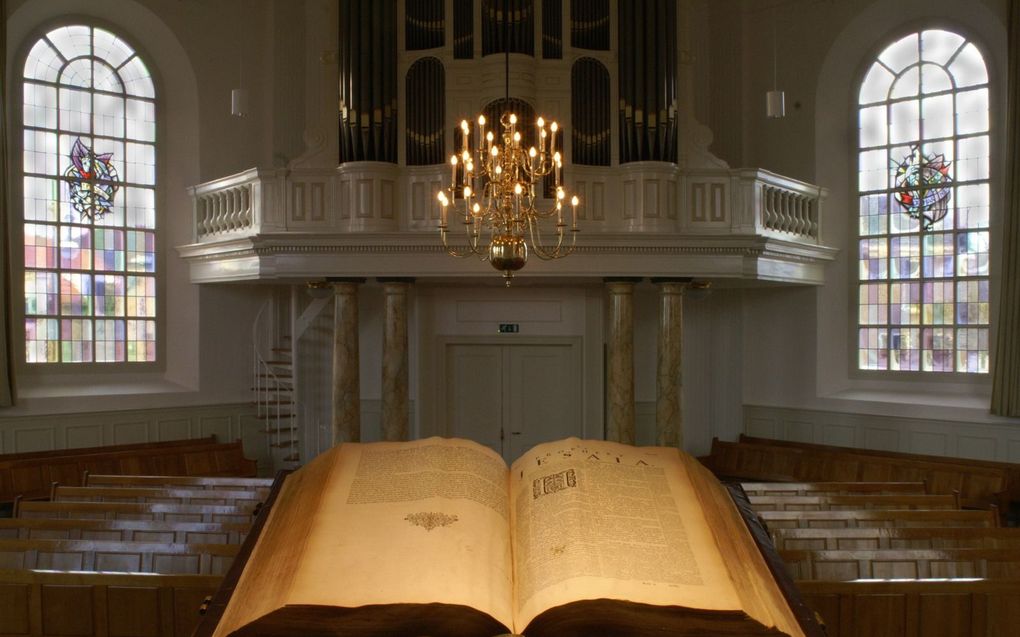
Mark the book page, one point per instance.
(411, 522)
(594, 519)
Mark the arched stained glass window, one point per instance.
(923, 162)
(89, 179)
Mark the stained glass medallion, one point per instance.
(923, 186)
(92, 181)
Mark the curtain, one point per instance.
(1006, 369)
(6, 368)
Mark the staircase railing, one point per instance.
(275, 403)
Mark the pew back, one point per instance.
(30, 475)
(981, 608)
(188, 482)
(831, 488)
(875, 538)
(876, 517)
(851, 502)
(38, 603)
(128, 557)
(122, 530)
(166, 495)
(137, 511)
(902, 564)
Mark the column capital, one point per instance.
(623, 279)
(346, 279)
(672, 279)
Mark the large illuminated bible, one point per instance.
(438, 537)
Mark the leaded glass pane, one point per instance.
(873, 348)
(42, 340)
(972, 254)
(875, 87)
(972, 111)
(934, 79)
(89, 200)
(923, 292)
(973, 159)
(939, 46)
(110, 48)
(937, 116)
(901, 53)
(136, 78)
(908, 84)
(874, 170)
(904, 121)
(968, 68)
(41, 292)
(874, 214)
(972, 206)
(72, 41)
(109, 115)
(40, 199)
(874, 126)
(874, 304)
(904, 349)
(40, 104)
(43, 63)
(938, 303)
(105, 78)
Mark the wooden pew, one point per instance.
(122, 530)
(877, 517)
(918, 608)
(30, 475)
(851, 502)
(167, 495)
(137, 511)
(38, 603)
(127, 557)
(831, 488)
(187, 482)
(874, 538)
(979, 486)
(1010, 469)
(902, 564)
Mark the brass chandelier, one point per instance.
(497, 194)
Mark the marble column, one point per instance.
(620, 355)
(346, 378)
(394, 363)
(669, 368)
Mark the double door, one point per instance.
(511, 397)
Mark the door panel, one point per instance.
(474, 393)
(545, 396)
(512, 397)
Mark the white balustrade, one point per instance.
(646, 200)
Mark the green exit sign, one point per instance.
(509, 328)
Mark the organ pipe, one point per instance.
(426, 112)
(368, 80)
(590, 117)
(516, 35)
(648, 82)
(423, 24)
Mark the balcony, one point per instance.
(379, 219)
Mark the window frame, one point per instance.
(879, 46)
(34, 371)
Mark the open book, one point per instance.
(438, 537)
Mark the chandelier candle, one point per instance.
(497, 189)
